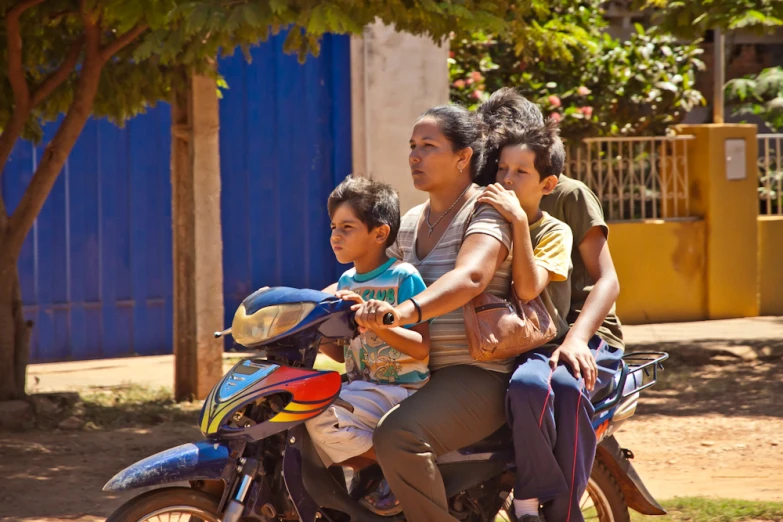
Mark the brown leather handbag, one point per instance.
(500, 328)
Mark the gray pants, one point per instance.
(459, 406)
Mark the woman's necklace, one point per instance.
(432, 227)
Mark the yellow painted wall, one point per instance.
(770, 231)
(730, 209)
(661, 266)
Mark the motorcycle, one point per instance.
(257, 462)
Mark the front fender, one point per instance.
(201, 460)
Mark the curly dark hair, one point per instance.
(505, 111)
(544, 141)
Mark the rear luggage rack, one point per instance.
(637, 365)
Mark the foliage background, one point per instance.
(637, 87)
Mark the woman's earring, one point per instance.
(460, 170)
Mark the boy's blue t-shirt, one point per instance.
(368, 358)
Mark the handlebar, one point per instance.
(388, 319)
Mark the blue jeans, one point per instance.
(554, 441)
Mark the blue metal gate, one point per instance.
(96, 268)
(288, 144)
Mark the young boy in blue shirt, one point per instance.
(384, 366)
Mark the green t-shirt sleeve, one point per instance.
(582, 211)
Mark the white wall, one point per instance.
(394, 78)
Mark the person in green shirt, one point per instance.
(558, 447)
(594, 282)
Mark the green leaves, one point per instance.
(191, 33)
(640, 86)
(760, 95)
(691, 18)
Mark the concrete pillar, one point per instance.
(770, 272)
(724, 191)
(198, 247)
(394, 78)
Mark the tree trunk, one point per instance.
(14, 330)
(198, 257)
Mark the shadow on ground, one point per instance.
(717, 377)
(60, 474)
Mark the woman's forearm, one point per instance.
(451, 291)
(477, 261)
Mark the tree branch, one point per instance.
(15, 67)
(59, 76)
(114, 47)
(57, 151)
(13, 128)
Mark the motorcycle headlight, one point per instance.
(271, 321)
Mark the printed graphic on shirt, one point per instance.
(369, 358)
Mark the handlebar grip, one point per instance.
(388, 318)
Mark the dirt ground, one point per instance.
(713, 426)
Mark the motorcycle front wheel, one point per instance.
(168, 505)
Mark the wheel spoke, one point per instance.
(180, 514)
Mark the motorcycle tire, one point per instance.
(606, 495)
(608, 501)
(200, 506)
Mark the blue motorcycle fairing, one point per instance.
(201, 460)
(277, 295)
(325, 318)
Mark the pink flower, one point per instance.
(583, 91)
(554, 101)
(477, 77)
(476, 94)
(459, 84)
(555, 116)
(451, 54)
(469, 81)
(587, 111)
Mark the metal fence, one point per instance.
(770, 167)
(635, 177)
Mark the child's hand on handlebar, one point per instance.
(370, 314)
(348, 295)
